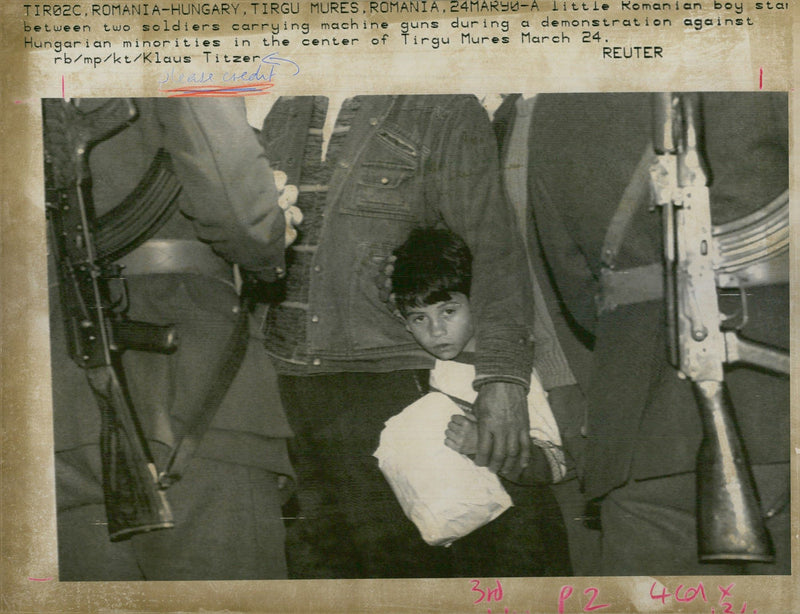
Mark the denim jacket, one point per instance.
(406, 161)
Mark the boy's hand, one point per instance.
(462, 434)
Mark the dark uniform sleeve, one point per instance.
(232, 199)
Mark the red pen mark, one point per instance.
(590, 606)
(40, 579)
(691, 593)
(487, 594)
(63, 93)
(725, 592)
(591, 592)
(566, 593)
(219, 90)
(761, 78)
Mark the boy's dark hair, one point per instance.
(431, 264)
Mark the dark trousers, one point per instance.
(527, 540)
(347, 522)
(649, 527)
(227, 525)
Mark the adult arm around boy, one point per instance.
(471, 201)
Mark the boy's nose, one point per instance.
(438, 327)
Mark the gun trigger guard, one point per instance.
(744, 313)
(121, 303)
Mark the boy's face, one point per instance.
(444, 328)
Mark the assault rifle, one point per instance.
(729, 520)
(96, 327)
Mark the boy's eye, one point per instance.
(418, 319)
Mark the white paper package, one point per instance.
(444, 493)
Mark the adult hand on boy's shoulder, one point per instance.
(503, 427)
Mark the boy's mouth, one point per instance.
(443, 348)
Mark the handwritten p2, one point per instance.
(566, 593)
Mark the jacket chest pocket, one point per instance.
(387, 179)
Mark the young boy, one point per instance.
(430, 288)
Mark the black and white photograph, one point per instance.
(383, 336)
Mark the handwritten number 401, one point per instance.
(690, 594)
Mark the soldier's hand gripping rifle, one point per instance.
(96, 328)
(730, 526)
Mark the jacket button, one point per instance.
(316, 362)
(317, 268)
(315, 319)
(373, 121)
(384, 180)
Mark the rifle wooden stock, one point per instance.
(133, 502)
(133, 498)
(730, 526)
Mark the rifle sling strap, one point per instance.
(232, 358)
(236, 348)
(635, 195)
(634, 285)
